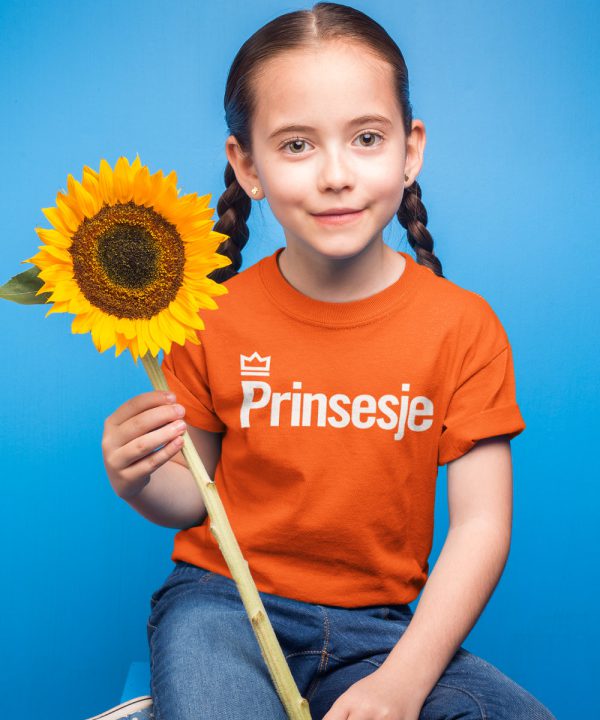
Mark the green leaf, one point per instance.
(22, 288)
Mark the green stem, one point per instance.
(294, 704)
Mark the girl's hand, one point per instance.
(375, 697)
(132, 434)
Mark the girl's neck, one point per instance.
(356, 278)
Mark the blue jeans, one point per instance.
(206, 662)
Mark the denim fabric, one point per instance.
(206, 662)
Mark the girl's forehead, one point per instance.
(333, 83)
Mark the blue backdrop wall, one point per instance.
(509, 97)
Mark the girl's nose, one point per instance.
(336, 172)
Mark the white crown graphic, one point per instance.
(259, 368)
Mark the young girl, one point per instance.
(335, 377)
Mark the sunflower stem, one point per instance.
(294, 704)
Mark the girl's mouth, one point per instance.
(342, 219)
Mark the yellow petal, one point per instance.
(91, 172)
(123, 189)
(71, 217)
(134, 350)
(157, 335)
(106, 183)
(57, 221)
(65, 290)
(53, 237)
(81, 324)
(55, 273)
(136, 165)
(57, 253)
(91, 182)
(126, 326)
(79, 304)
(142, 187)
(107, 332)
(141, 341)
(85, 201)
(185, 316)
(169, 325)
(57, 307)
(121, 344)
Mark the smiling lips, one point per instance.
(338, 216)
(337, 211)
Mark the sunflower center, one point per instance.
(129, 255)
(128, 260)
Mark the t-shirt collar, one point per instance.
(335, 314)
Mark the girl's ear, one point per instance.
(242, 165)
(415, 148)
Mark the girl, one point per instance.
(334, 379)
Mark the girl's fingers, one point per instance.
(147, 421)
(137, 405)
(152, 462)
(144, 445)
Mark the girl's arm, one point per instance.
(466, 572)
(172, 498)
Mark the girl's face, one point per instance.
(336, 155)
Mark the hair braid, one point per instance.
(233, 209)
(413, 216)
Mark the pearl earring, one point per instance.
(254, 190)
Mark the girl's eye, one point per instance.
(295, 141)
(298, 141)
(371, 135)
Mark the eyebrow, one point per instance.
(362, 120)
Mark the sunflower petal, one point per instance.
(154, 330)
(142, 187)
(134, 350)
(91, 182)
(53, 215)
(86, 202)
(87, 170)
(65, 290)
(157, 335)
(55, 273)
(141, 340)
(53, 237)
(181, 313)
(107, 332)
(56, 308)
(121, 344)
(126, 326)
(106, 183)
(81, 324)
(153, 346)
(79, 304)
(72, 217)
(171, 327)
(59, 253)
(123, 189)
(136, 165)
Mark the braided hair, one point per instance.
(297, 29)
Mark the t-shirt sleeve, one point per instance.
(186, 374)
(483, 403)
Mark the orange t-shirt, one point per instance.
(336, 416)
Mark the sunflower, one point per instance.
(129, 258)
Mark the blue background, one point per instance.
(509, 97)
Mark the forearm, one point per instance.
(171, 498)
(458, 588)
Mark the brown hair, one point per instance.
(293, 30)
